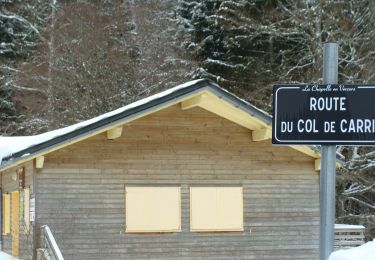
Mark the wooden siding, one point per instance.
(81, 190)
(8, 185)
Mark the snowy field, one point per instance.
(363, 252)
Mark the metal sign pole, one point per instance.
(328, 164)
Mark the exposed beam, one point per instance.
(39, 162)
(317, 164)
(114, 132)
(261, 134)
(193, 102)
(222, 108)
(306, 150)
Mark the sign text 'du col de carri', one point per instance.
(322, 114)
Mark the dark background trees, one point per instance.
(64, 61)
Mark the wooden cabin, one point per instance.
(189, 173)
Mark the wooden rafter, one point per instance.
(317, 164)
(114, 133)
(193, 102)
(262, 134)
(39, 162)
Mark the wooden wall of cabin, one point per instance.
(10, 182)
(81, 190)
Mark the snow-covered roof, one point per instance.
(14, 148)
(363, 252)
(12, 144)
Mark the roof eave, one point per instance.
(134, 113)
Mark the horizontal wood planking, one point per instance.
(8, 184)
(81, 190)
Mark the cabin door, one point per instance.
(15, 223)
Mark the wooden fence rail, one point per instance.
(348, 236)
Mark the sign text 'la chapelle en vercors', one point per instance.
(324, 114)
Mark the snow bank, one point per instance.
(363, 252)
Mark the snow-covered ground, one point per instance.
(363, 252)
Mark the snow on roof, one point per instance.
(13, 144)
(363, 252)
(9, 146)
(345, 226)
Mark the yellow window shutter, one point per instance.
(216, 209)
(6, 214)
(15, 223)
(230, 208)
(152, 209)
(203, 214)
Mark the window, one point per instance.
(216, 209)
(152, 209)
